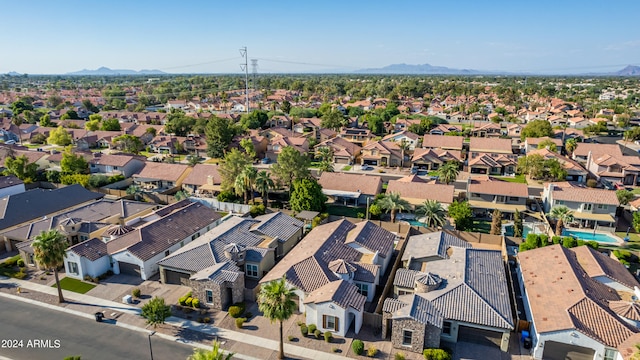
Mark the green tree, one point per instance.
(59, 136)
(291, 165)
(216, 353)
(49, 249)
(245, 181)
(636, 221)
(128, 143)
(178, 123)
(38, 138)
(333, 120)
(536, 129)
(89, 106)
(219, 133)
(307, 195)
(624, 196)
(496, 222)
(448, 172)
(264, 183)
(247, 145)
(134, 190)
(275, 300)
(325, 166)
(547, 143)
(461, 213)
(232, 165)
(403, 145)
(393, 203)
(72, 163)
(21, 168)
(110, 125)
(286, 107)
(563, 215)
(570, 145)
(375, 210)
(254, 120)
(517, 224)
(193, 160)
(17, 107)
(432, 212)
(92, 125)
(155, 311)
(324, 153)
(45, 121)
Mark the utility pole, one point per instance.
(245, 68)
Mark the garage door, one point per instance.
(479, 336)
(559, 351)
(174, 277)
(129, 269)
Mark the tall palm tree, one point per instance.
(214, 354)
(49, 249)
(448, 172)
(264, 183)
(243, 184)
(404, 146)
(134, 190)
(276, 303)
(433, 213)
(563, 216)
(571, 145)
(393, 203)
(325, 153)
(250, 174)
(325, 166)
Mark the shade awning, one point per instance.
(596, 217)
(510, 208)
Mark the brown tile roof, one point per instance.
(436, 155)
(584, 195)
(597, 149)
(490, 145)
(365, 184)
(567, 163)
(441, 141)
(340, 292)
(536, 141)
(596, 264)
(162, 171)
(341, 147)
(563, 297)
(422, 191)
(112, 160)
(92, 249)
(498, 187)
(201, 172)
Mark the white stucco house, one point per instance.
(335, 307)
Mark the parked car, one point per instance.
(266, 160)
(366, 167)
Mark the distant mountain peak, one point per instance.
(418, 69)
(103, 70)
(629, 70)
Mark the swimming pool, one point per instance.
(509, 230)
(590, 235)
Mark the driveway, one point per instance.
(117, 286)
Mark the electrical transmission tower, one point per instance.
(254, 71)
(245, 68)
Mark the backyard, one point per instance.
(348, 211)
(517, 179)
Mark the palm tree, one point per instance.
(325, 153)
(448, 172)
(404, 146)
(433, 213)
(243, 185)
(393, 203)
(49, 251)
(134, 190)
(325, 166)
(276, 303)
(214, 354)
(264, 183)
(563, 216)
(250, 174)
(571, 145)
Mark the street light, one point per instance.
(150, 349)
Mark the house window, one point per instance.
(363, 289)
(587, 207)
(610, 354)
(330, 322)
(181, 243)
(251, 270)
(166, 253)
(558, 202)
(499, 198)
(446, 328)
(602, 206)
(513, 198)
(404, 292)
(407, 336)
(73, 267)
(208, 294)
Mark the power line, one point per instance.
(245, 68)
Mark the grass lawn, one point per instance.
(636, 191)
(75, 285)
(347, 211)
(632, 237)
(517, 179)
(481, 226)
(314, 164)
(212, 161)
(346, 168)
(433, 173)
(385, 186)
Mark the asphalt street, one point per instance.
(29, 332)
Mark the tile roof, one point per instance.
(597, 149)
(200, 174)
(277, 224)
(431, 244)
(161, 171)
(596, 264)
(498, 187)
(8, 181)
(422, 191)
(581, 303)
(437, 155)
(490, 145)
(111, 160)
(443, 142)
(93, 249)
(340, 292)
(341, 147)
(337, 181)
(390, 305)
(405, 277)
(626, 309)
(372, 237)
(419, 309)
(584, 195)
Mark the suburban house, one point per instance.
(335, 270)
(248, 246)
(582, 151)
(381, 153)
(356, 135)
(486, 194)
(350, 188)
(203, 178)
(446, 291)
(18, 209)
(344, 152)
(596, 311)
(413, 140)
(488, 130)
(158, 176)
(531, 144)
(490, 146)
(614, 168)
(136, 247)
(592, 208)
(416, 191)
(492, 164)
(10, 185)
(125, 165)
(442, 129)
(432, 159)
(442, 142)
(278, 143)
(575, 171)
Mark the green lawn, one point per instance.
(346, 168)
(347, 211)
(75, 285)
(433, 173)
(517, 179)
(314, 164)
(481, 226)
(636, 191)
(632, 236)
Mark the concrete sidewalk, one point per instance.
(94, 302)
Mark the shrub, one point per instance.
(398, 356)
(11, 262)
(20, 274)
(136, 293)
(556, 239)
(20, 263)
(189, 301)
(304, 330)
(182, 301)
(195, 303)
(543, 239)
(43, 278)
(109, 272)
(200, 320)
(312, 328)
(299, 323)
(240, 322)
(207, 320)
(235, 311)
(372, 351)
(436, 354)
(95, 280)
(592, 183)
(328, 336)
(291, 337)
(318, 334)
(357, 346)
(257, 210)
(116, 178)
(569, 242)
(73, 358)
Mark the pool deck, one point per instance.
(618, 240)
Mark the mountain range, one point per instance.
(427, 69)
(630, 70)
(106, 71)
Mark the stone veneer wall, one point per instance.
(220, 295)
(424, 336)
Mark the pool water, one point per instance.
(509, 230)
(414, 222)
(590, 235)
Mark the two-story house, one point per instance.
(344, 152)
(203, 178)
(591, 207)
(491, 156)
(381, 153)
(412, 140)
(486, 194)
(356, 135)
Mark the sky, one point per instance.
(561, 36)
